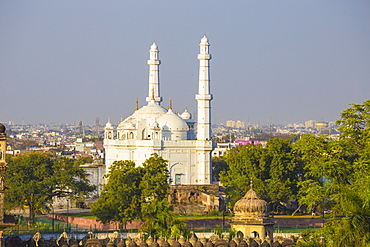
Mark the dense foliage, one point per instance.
(139, 193)
(348, 172)
(33, 179)
(275, 171)
(321, 173)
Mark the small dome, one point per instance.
(251, 205)
(204, 40)
(108, 125)
(153, 47)
(186, 114)
(2, 128)
(170, 121)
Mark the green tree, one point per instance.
(344, 166)
(84, 160)
(159, 220)
(120, 199)
(275, 171)
(244, 163)
(311, 194)
(155, 179)
(138, 193)
(34, 178)
(285, 170)
(218, 165)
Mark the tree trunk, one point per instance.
(295, 211)
(31, 215)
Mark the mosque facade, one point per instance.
(185, 143)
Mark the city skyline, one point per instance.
(273, 62)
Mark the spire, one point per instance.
(154, 63)
(204, 96)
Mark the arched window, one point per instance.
(144, 135)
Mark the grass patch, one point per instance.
(201, 217)
(85, 215)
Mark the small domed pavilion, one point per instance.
(251, 216)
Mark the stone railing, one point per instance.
(123, 240)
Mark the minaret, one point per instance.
(154, 63)
(204, 97)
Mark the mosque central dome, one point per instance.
(151, 110)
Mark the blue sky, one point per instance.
(272, 61)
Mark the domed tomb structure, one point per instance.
(251, 216)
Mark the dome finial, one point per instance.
(251, 183)
(137, 104)
(170, 107)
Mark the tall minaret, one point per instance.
(204, 97)
(154, 63)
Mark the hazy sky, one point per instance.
(272, 61)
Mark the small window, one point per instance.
(177, 178)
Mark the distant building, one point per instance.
(235, 124)
(230, 123)
(222, 148)
(320, 126)
(310, 124)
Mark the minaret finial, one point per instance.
(137, 104)
(251, 183)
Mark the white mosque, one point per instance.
(154, 129)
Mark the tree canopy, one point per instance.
(275, 171)
(339, 172)
(34, 178)
(138, 193)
